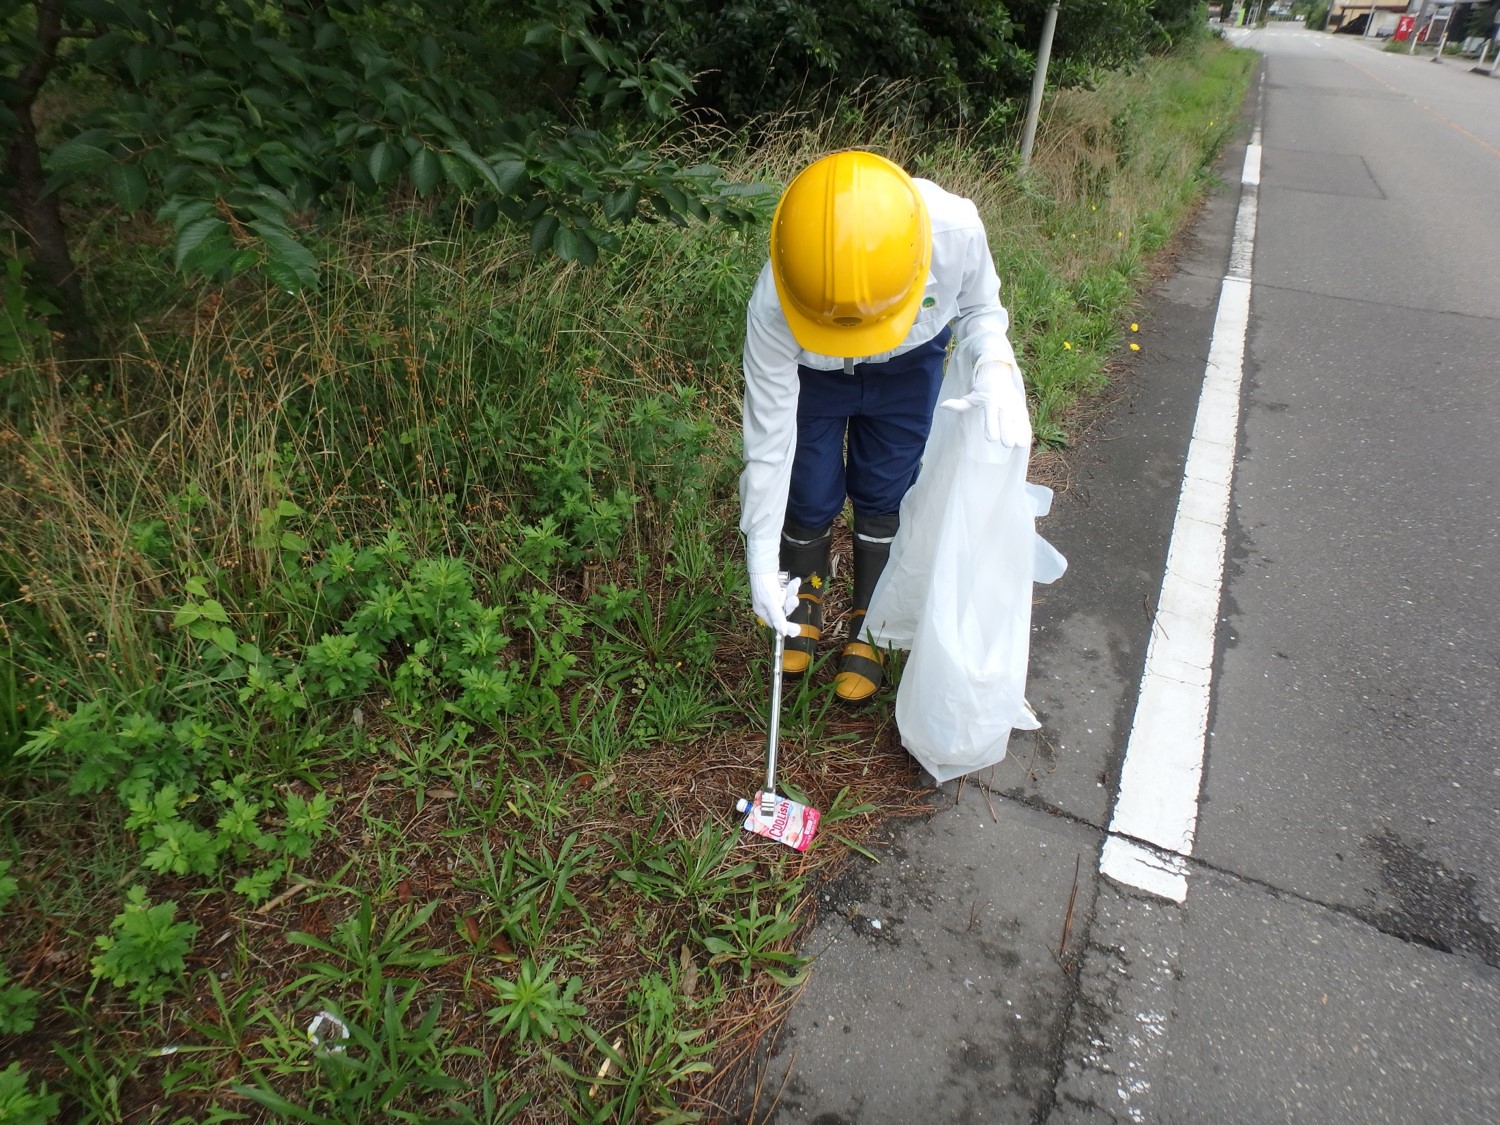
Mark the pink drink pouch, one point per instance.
(793, 824)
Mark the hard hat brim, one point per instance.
(858, 341)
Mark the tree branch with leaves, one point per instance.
(241, 123)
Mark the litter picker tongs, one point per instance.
(768, 791)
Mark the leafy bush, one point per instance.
(1180, 23)
(18, 1105)
(947, 62)
(238, 121)
(951, 58)
(147, 949)
(17, 1004)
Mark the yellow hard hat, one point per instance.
(850, 248)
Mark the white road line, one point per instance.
(1156, 811)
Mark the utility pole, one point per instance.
(1038, 83)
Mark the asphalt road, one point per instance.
(1336, 954)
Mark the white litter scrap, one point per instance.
(333, 1039)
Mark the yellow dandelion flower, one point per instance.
(815, 582)
(1135, 327)
(1067, 345)
(1135, 347)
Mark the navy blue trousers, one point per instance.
(880, 414)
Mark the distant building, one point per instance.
(1353, 18)
(1433, 19)
(1436, 19)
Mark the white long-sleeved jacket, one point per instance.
(962, 288)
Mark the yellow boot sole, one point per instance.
(860, 674)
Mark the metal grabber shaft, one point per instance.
(773, 739)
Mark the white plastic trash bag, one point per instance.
(957, 592)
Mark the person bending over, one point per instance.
(871, 275)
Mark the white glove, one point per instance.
(772, 601)
(998, 392)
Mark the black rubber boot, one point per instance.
(804, 555)
(860, 674)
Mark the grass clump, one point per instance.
(379, 660)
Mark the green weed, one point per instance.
(651, 1058)
(695, 871)
(370, 954)
(19, 1104)
(146, 948)
(758, 940)
(534, 1008)
(386, 1070)
(17, 1004)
